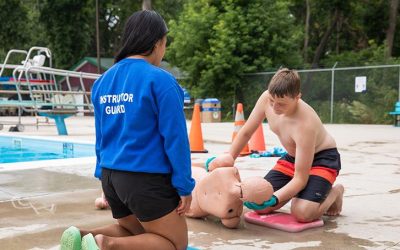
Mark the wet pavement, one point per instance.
(36, 205)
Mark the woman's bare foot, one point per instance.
(336, 207)
(101, 203)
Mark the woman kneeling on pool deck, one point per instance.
(142, 148)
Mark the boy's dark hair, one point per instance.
(285, 82)
(141, 33)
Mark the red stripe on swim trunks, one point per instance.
(324, 172)
(285, 167)
(288, 168)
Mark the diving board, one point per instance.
(33, 89)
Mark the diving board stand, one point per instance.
(59, 120)
(59, 115)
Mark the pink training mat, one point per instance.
(281, 221)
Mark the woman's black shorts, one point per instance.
(148, 196)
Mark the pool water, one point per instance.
(16, 149)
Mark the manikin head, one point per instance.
(221, 193)
(284, 91)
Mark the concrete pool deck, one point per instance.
(36, 205)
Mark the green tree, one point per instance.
(329, 19)
(393, 10)
(216, 42)
(113, 15)
(35, 29)
(14, 26)
(338, 27)
(169, 9)
(68, 29)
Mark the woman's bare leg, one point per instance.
(126, 226)
(168, 232)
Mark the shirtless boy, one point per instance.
(307, 173)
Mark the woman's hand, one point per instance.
(184, 204)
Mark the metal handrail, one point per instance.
(10, 66)
(48, 94)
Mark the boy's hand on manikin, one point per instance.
(225, 160)
(269, 203)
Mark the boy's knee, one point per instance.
(303, 218)
(303, 214)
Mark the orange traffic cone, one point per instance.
(239, 122)
(196, 136)
(257, 142)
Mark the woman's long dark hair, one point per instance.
(141, 33)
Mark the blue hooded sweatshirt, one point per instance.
(140, 123)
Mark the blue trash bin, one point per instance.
(211, 110)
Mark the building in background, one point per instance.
(89, 65)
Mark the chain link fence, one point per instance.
(332, 92)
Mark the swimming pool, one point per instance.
(22, 149)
